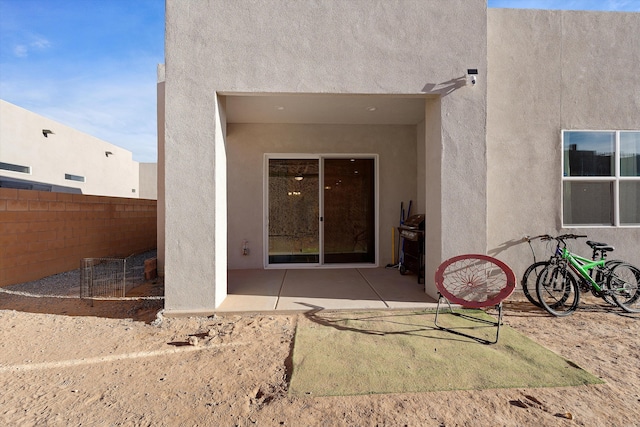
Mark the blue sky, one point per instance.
(91, 64)
(604, 5)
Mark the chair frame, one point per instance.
(494, 299)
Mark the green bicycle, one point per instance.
(559, 284)
(531, 274)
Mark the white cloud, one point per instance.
(119, 108)
(40, 43)
(629, 5)
(21, 51)
(37, 43)
(121, 113)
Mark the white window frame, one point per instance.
(616, 178)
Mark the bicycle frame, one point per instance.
(590, 274)
(582, 266)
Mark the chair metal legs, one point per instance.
(470, 318)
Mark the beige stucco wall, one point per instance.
(161, 170)
(66, 151)
(148, 181)
(395, 147)
(330, 47)
(434, 236)
(549, 71)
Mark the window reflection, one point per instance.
(589, 153)
(601, 184)
(629, 153)
(630, 202)
(293, 211)
(588, 203)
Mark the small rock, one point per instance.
(566, 415)
(193, 341)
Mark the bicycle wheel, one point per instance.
(557, 290)
(602, 273)
(623, 283)
(529, 279)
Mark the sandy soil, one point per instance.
(64, 362)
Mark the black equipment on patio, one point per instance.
(412, 234)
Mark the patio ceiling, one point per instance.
(325, 109)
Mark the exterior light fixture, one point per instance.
(299, 178)
(46, 132)
(371, 108)
(108, 153)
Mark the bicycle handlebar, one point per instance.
(570, 236)
(541, 237)
(560, 237)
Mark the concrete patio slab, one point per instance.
(328, 289)
(396, 290)
(252, 290)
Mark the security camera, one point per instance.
(472, 74)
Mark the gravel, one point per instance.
(68, 282)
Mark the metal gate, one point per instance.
(108, 277)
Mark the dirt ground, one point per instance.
(64, 362)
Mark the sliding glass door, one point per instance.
(321, 211)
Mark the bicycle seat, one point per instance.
(595, 245)
(600, 246)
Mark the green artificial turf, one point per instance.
(397, 352)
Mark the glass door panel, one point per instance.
(294, 211)
(349, 211)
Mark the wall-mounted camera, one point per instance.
(472, 76)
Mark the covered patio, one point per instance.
(238, 196)
(330, 289)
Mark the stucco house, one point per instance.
(290, 133)
(37, 153)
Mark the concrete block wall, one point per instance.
(44, 233)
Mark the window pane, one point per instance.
(587, 203)
(629, 153)
(15, 168)
(589, 153)
(630, 202)
(293, 211)
(71, 177)
(349, 211)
